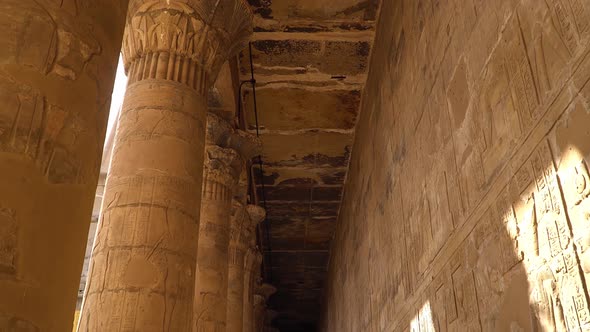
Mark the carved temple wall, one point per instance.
(466, 207)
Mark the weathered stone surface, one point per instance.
(142, 275)
(57, 65)
(466, 202)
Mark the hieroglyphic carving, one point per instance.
(184, 42)
(559, 290)
(565, 24)
(524, 92)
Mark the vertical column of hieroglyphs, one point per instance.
(57, 65)
(243, 226)
(142, 274)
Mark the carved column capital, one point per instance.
(221, 168)
(184, 40)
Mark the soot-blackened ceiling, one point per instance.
(310, 62)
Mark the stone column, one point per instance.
(211, 287)
(243, 227)
(252, 263)
(263, 293)
(57, 68)
(143, 262)
(228, 150)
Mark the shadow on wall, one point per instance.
(467, 203)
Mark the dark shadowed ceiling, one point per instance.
(310, 61)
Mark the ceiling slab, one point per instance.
(310, 63)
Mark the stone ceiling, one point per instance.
(310, 62)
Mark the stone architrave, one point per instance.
(244, 222)
(57, 66)
(142, 273)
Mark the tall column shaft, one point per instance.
(252, 263)
(212, 261)
(57, 65)
(142, 273)
(235, 284)
(145, 250)
(243, 239)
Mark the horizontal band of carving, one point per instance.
(168, 109)
(166, 208)
(169, 293)
(184, 41)
(175, 181)
(144, 248)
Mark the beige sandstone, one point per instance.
(466, 206)
(57, 66)
(242, 234)
(142, 274)
(227, 152)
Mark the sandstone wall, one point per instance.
(466, 207)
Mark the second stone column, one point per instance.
(243, 226)
(142, 273)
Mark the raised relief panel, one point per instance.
(8, 241)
